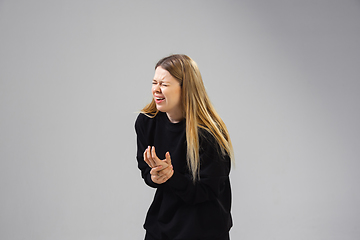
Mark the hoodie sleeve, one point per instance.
(143, 141)
(214, 180)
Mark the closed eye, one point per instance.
(161, 83)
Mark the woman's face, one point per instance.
(166, 92)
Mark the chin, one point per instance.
(160, 109)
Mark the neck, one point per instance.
(175, 117)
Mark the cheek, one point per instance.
(178, 96)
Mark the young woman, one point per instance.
(184, 151)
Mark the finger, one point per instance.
(167, 173)
(156, 170)
(165, 177)
(154, 179)
(168, 158)
(166, 170)
(156, 160)
(153, 164)
(162, 179)
(164, 164)
(146, 158)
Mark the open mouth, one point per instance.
(159, 100)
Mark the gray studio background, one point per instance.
(284, 76)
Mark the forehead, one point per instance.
(163, 75)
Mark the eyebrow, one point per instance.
(161, 81)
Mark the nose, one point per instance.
(156, 88)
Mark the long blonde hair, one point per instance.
(198, 110)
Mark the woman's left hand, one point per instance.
(161, 170)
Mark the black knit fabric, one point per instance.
(182, 210)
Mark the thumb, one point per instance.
(168, 158)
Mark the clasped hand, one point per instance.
(161, 170)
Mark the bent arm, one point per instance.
(142, 144)
(213, 181)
